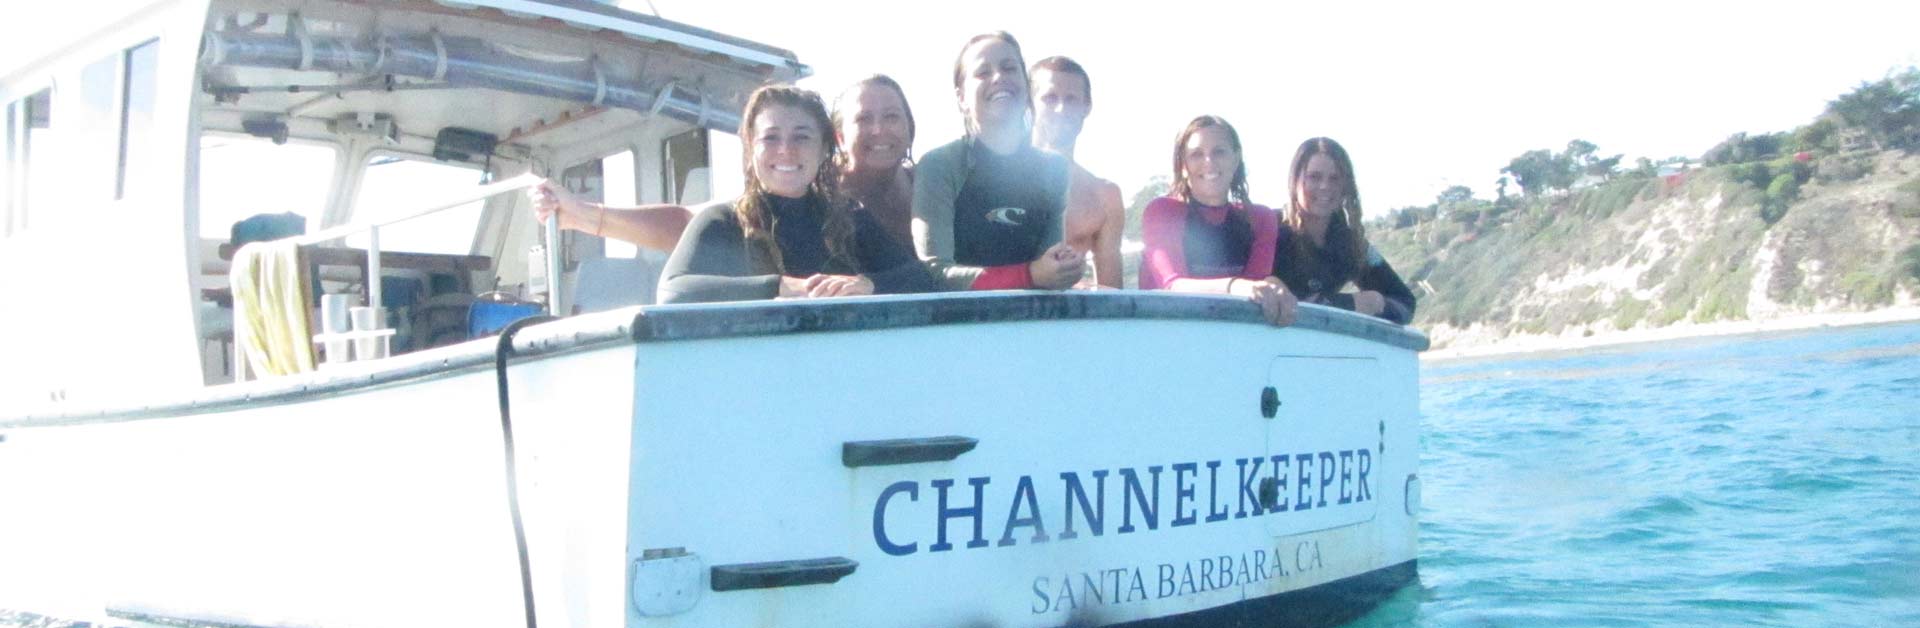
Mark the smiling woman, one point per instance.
(791, 234)
(987, 207)
(1205, 235)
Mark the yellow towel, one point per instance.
(270, 315)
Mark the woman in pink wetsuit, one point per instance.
(1205, 235)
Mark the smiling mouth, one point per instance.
(1211, 176)
(793, 168)
(879, 147)
(1000, 95)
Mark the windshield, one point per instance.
(395, 186)
(245, 176)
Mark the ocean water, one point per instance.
(1764, 480)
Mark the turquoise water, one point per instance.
(1739, 481)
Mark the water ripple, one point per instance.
(1759, 480)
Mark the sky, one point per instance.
(1423, 94)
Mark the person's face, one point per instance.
(873, 128)
(1209, 163)
(993, 90)
(788, 148)
(1060, 106)
(1322, 187)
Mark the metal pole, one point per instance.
(556, 305)
(373, 277)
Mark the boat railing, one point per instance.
(483, 192)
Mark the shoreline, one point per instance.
(1518, 345)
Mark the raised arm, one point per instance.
(655, 227)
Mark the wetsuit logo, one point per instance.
(1009, 216)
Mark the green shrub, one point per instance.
(1781, 193)
(1819, 135)
(1755, 174)
(1628, 311)
(1842, 168)
(1670, 314)
(1910, 260)
(1726, 299)
(1867, 288)
(1906, 199)
(1802, 171)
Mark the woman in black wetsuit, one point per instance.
(987, 207)
(790, 234)
(1322, 245)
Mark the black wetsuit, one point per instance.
(713, 262)
(986, 216)
(1325, 273)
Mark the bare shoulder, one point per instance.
(1093, 189)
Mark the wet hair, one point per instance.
(960, 76)
(1065, 65)
(1353, 248)
(877, 80)
(823, 194)
(1182, 188)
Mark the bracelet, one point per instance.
(1230, 281)
(600, 222)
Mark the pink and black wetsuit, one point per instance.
(1192, 241)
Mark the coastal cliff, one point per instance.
(1642, 252)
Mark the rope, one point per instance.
(501, 350)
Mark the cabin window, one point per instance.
(618, 186)
(8, 165)
(136, 107)
(29, 121)
(684, 171)
(95, 128)
(395, 186)
(243, 176)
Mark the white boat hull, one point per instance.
(1115, 475)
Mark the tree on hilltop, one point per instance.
(1888, 110)
(1156, 187)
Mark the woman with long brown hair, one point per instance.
(874, 125)
(791, 233)
(1205, 235)
(1322, 245)
(987, 207)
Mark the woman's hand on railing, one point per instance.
(1369, 302)
(1058, 268)
(1277, 304)
(549, 199)
(819, 286)
(839, 286)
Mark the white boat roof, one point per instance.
(595, 16)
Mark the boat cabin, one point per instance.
(137, 161)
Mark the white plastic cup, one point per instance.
(334, 320)
(333, 313)
(366, 318)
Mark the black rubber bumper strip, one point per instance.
(875, 453)
(785, 573)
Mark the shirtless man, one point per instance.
(1062, 98)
